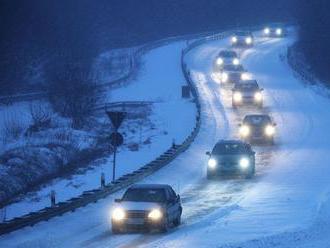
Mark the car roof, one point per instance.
(150, 186)
(230, 142)
(243, 33)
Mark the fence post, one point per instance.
(102, 180)
(52, 198)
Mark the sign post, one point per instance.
(116, 139)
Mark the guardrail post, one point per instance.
(173, 143)
(52, 198)
(102, 180)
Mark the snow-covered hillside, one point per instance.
(285, 205)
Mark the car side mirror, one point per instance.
(261, 89)
(208, 153)
(117, 200)
(240, 124)
(178, 198)
(275, 124)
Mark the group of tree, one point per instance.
(314, 35)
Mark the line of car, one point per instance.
(157, 206)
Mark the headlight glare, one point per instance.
(219, 61)
(237, 96)
(244, 131)
(248, 40)
(244, 163)
(278, 31)
(155, 214)
(235, 61)
(234, 39)
(258, 96)
(245, 76)
(266, 31)
(118, 214)
(224, 77)
(212, 163)
(270, 130)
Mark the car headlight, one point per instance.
(234, 39)
(266, 31)
(244, 131)
(235, 61)
(219, 61)
(270, 130)
(248, 40)
(224, 77)
(244, 76)
(212, 163)
(258, 96)
(278, 31)
(244, 163)
(155, 214)
(237, 96)
(118, 214)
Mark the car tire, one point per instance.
(177, 221)
(209, 176)
(115, 230)
(166, 226)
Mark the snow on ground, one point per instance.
(159, 82)
(286, 205)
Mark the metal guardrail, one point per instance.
(91, 196)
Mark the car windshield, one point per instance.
(242, 33)
(233, 68)
(228, 54)
(257, 119)
(145, 195)
(229, 148)
(247, 86)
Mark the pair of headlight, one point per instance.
(119, 214)
(220, 61)
(238, 96)
(278, 31)
(245, 130)
(243, 163)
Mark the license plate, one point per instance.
(135, 221)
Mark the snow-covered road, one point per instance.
(286, 205)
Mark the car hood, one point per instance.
(129, 205)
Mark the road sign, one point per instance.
(116, 139)
(116, 118)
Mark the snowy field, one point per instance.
(156, 83)
(287, 204)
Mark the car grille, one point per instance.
(136, 214)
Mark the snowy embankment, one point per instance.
(159, 82)
(286, 205)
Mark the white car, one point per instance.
(247, 93)
(258, 128)
(242, 39)
(227, 57)
(146, 207)
(232, 73)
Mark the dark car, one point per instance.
(247, 93)
(242, 39)
(226, 57)
(146, 207)
(232, 73)
(274, 31)
(258, 128)
(231, 157)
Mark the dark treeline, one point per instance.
(314, 35)
(55, 31)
